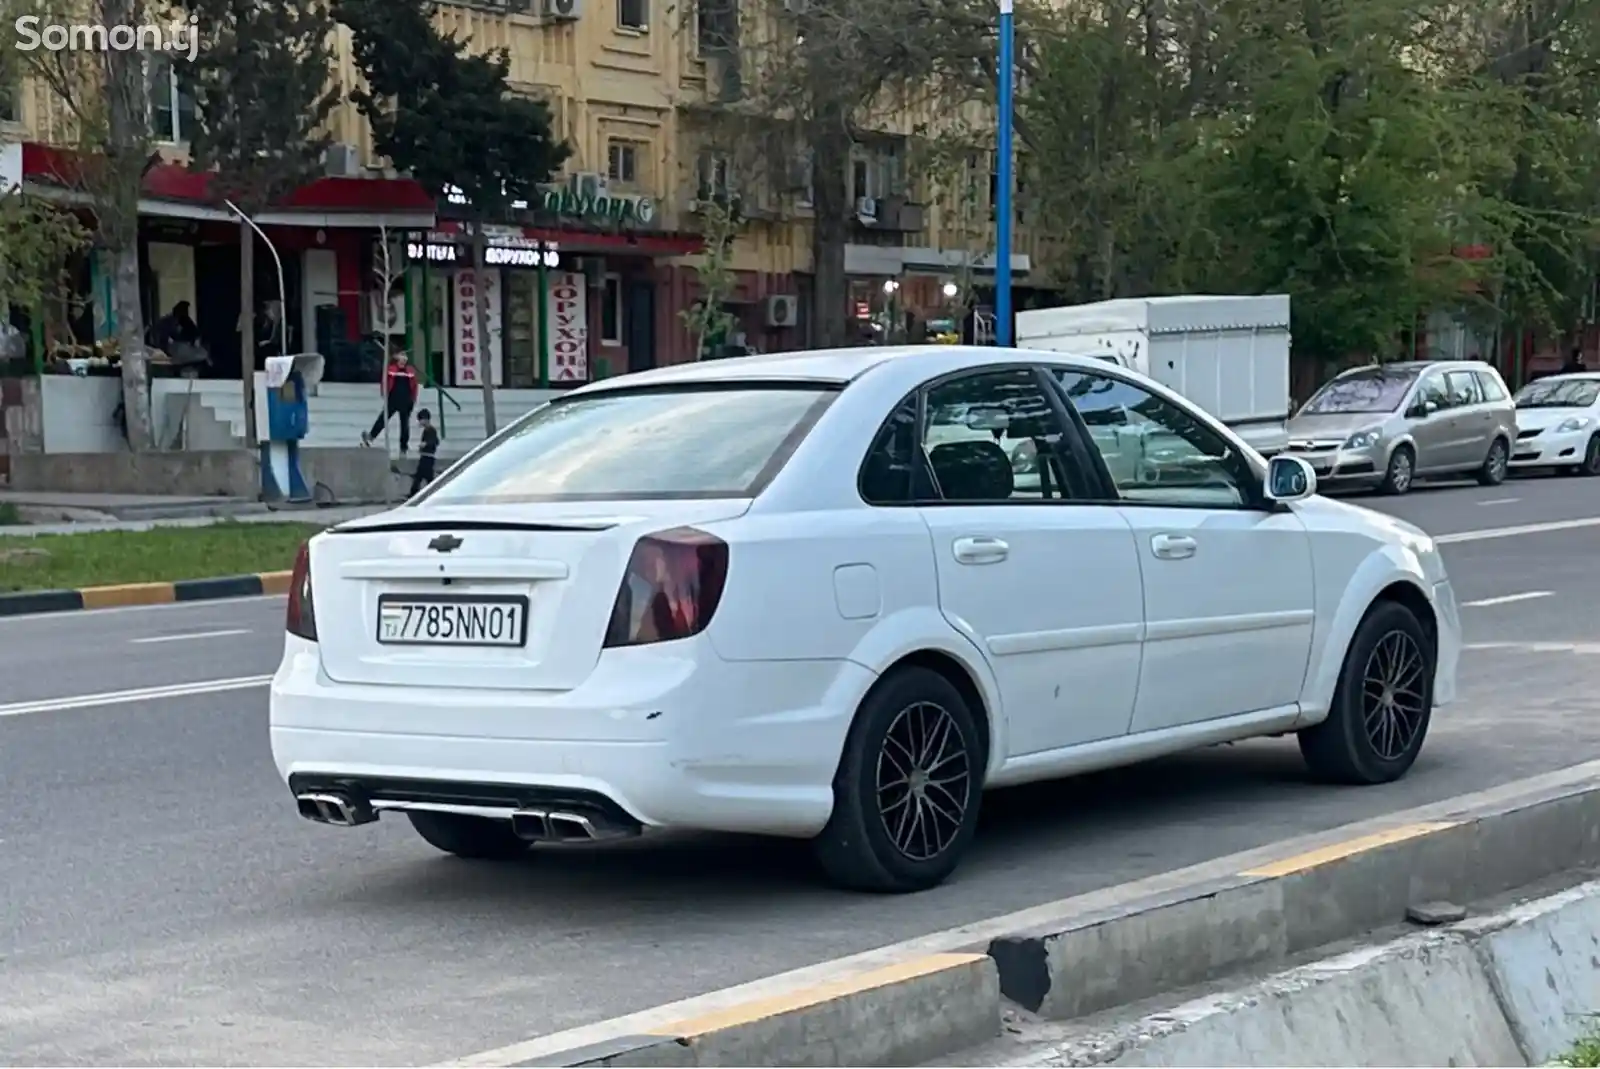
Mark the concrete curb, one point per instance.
(1116, 946)
(127, 594)
(1518, 987)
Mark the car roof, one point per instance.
(831, 366)
(1568, 376)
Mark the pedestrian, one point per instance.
(426, 454)
(400, 389)
(1574, 362)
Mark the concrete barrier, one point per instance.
(1516, 988)
(1121, 945)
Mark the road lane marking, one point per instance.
(1506, 532)
(1507, 599)
(1501, 501)
(189, 635)
(1586, 648)
(140, 694)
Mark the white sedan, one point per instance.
(807, 595)
(1558, 424)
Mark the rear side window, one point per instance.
(1489, 382)
(706, 442)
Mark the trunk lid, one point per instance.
(556, 566)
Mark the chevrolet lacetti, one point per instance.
(829, 596)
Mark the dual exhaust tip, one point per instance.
(534, 825)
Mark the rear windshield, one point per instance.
(1374, 390)
(704, 442)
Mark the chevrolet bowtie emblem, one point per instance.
(445, 544)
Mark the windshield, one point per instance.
(1559, 393)
(694, 442)
(1368, 390)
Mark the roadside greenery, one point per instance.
(162, 554)
(1585, 1053)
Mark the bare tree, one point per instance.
(707, 318)
(105, 99)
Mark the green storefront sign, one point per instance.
(616, 210)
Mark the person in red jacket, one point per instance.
(400, 390)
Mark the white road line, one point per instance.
(1507, 599)
(141, 694)
(1501, 501)
(191, 634)
(1586, 648)
(1506, 532)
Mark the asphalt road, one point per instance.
(161, 902)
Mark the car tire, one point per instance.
(1495, 465)
(1591, 459)
(476, 838)
(1401, 472)
(1374, 738)
(865, 848)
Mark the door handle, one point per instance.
(1173, 547)
(981, 550)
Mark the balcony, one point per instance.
(890, 215)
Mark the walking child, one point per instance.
(428, 453)
(400, 390)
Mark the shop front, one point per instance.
(572, 288)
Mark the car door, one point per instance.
(1047, 586)
(1228, 583)
(1471, 421)
(1431, 432)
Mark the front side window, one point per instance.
(1432, 391)
(692, 442)
(993, 436)
(1156, 452)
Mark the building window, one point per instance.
(633, 15)
(622, 161)
(171, 104)
(10, 103)
(611, 311)
(712, 182)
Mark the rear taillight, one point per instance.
(302, 616)
(671, 588)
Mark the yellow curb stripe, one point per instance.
(109, 597)
(1350, 848)
(274, 582)
(802, 998)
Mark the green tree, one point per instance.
(450, 119)
(707, 319)
(262, 98)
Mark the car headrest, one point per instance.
(972, 471)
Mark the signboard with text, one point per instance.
(567, 330)
(477, 346)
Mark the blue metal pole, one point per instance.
(1003, 213)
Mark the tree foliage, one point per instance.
(262, 95)
(707, 319)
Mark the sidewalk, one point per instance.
(79, 513)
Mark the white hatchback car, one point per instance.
(749, 596)
(1558, 424)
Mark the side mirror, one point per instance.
(1289, 479)
(1424, 409)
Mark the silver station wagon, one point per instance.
(1388, 425)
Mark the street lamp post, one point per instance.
(1002, 267)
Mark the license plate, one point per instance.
(444, 620)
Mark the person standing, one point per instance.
(427, 454)
(400, 389)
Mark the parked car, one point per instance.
(1558, 424)
(748, 596)
(1387, 426)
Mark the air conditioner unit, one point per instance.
(342, 160)
(562, 10)
(783, 310)
(589, 184)
(867, 209)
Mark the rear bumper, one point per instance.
(665, 741)
(1550, 450)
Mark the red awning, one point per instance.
(170, 188)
